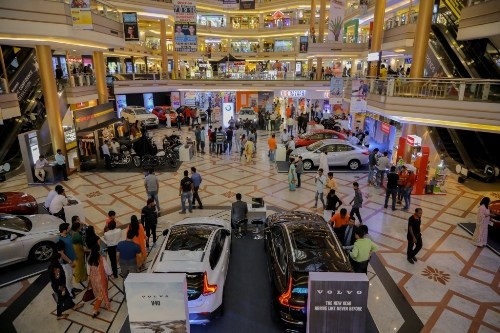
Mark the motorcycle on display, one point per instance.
(143, 146)
(124, 157)
(172, 143)
(161, 158)
(331, 124)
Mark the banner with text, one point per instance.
(358, 96)
(336, 20)
(247, 4)
(81, 14)
(185, 26)
(304, 43)
(337, 302)
(230, 4)
(130, 26)
(336, 90)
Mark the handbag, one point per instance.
(89, 295)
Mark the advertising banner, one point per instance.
(304, 44)
(336, 20)
(26, 78)
(230, 4)
(337, 302)
(149, 103)
(93, 116)
(185, 26)
(121, 102)
(336, 90)
(130, 26)
(247, 4)
(358, 96)
(157, 302)
(175, 99)
(81, 14)
(227, 113)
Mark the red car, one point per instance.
(18, 203)
(306, 139)
(162, 111)
(495, 216)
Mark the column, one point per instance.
(378, 25)
(319, 64)
(100, 76)
(175, 65)
(44, 56)
(322, 18)
(421, 40)
(312, 20)
(163, 43)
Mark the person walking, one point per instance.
(229, 139)
(414, 236)
(196, 179)
(249, 150)
(186, 193)
(289, 125)
(284, 137)
(392, 187)
(220, 137)
(197, 137)
(480, 237)
(127, 253)
(361, 251)
(68, 256)
(271, 142)
(152, 185)
(292, 175)
(333, 203)
(61, 164)
(403, 177)
(356, 202)
(299, 168)
(212, 138)
(139, 237)
(323, 162)
(202, 139)
(57, 278)
(243, 142)
(410, 183)
(238, 133)
(383, 164)
(179, 120)
(98, 280)
(79, 271)
(106, 154)
(149, 220)
(112, 237)
(320, 181)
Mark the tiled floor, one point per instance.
(454, 287)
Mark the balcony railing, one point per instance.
(400, 20)
(100, 8)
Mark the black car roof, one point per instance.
(297, 216)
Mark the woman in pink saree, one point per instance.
(98, 280)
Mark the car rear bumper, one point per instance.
(204, 317)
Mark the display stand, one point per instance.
(259, 213)
(186, 153)
(281, 153)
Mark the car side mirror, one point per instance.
(13, 237)
(165, 232)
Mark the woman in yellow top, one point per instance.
(361, 251)
(249, 150)
(80, 271)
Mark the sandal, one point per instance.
(63, 316)
(95, 314)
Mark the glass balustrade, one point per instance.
(400, 20)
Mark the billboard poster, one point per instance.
(336, 90)
(304, 44)
(157, 302)
(130, 26)
(230, 4)
(185, 26)
(121, 102)
(149, 103)
(81, 14)
(336, 20)
(227, 113)
(175, 99)
(337, 302)
(247, 4)
(358, 96)
(265, 100)
(26, 78)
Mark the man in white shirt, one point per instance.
(106, 154)
(52, 194)
(39, 171)
(57, 204)
(353, 139)
(61, 164)
(290, 147)
(366, 140)
(382, 165)
(115, 146)
(284, 138)
(289, 124)
(320, 181)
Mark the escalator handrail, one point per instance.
(459, 62)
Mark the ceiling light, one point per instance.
(399, 50)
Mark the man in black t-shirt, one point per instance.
(186, 192)
(392, 187)
(414, 236)
(149, 219)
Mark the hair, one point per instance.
(355, 184)
(150, 200)
(273, 135)
(330, 174)
(193, 169)
(376, 150)
(111, 213)
(74, 218)
(134, 226)
(130, 234)
(343, 212)
(238, 196)
(417, 210)
(393, 168)
(63, 227)
(58, 151)
(40, 157)
(292, 159)
(332, 191)
(95, 255)
(386, 153)
(75, 225)
(60, 190)
(485, 201)
(112, 225)
(186, 173)
(320, 170)
(363, 227)
(359, 232)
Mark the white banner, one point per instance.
(185, 27)
(336, 20)
(336, 90)
(358, 96)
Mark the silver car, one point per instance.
(247, 114)
(340, 153)
(27, 237)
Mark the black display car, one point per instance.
(298, 243)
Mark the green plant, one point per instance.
(335, 26)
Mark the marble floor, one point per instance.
(454, 286)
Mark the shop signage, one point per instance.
(336, 20)
(175, 99)
(157, 302)
(386, 128)
(247, 4)
(374, 56)
(337, 302)
(358, 96)
(414, 140)
(81, 14)
(130, 26)
(304, 44)
(26, 78)
(185, 27)
(89, 117)
(293, 93)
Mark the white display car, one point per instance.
(200, 248)
(27, 237)
(133, 113)
(340, 153)
(247, 114)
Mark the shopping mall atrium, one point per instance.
(96, 94)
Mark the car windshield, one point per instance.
(311, 240)
(140, 111)
(314, 146)
(246, 112)
(18, 223)
(189, 237)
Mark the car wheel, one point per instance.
(42, 252)
(354, 164)
(308, 164)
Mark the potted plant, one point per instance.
(335, 27)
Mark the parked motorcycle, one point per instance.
(124, 157)
(331, 124)
(173, 143)
(161, 158)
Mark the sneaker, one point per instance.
(410, 260)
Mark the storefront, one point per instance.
(245, 46)
(382, 132)
(77, 64)
(245, 22)
(283, 45)
(215, 21)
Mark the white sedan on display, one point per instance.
(247, 114)
(200, 248)
(27, 237)
(134, 113)
(340, 153)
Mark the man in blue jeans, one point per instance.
(392, 187)
(152, 186)
(127, 252)
(186, 192)
(372, 163)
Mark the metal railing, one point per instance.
(78, 80)
(400, 20)
(99, 7)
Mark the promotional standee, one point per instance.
(157, 302)
(337, 302)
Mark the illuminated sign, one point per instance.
(227, 113)
(375, 56)
(293, 93)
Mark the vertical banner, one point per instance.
(304, 44)
(185, 26)
(336, 20)
(337, 302)
(130, 26)
(81, 14)
(336, 90)
(227, 113)
(247, 4)
(358, 96)
(230, 4)
(175, 99)
(157, 302)
(121, 102)
(149, 103)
